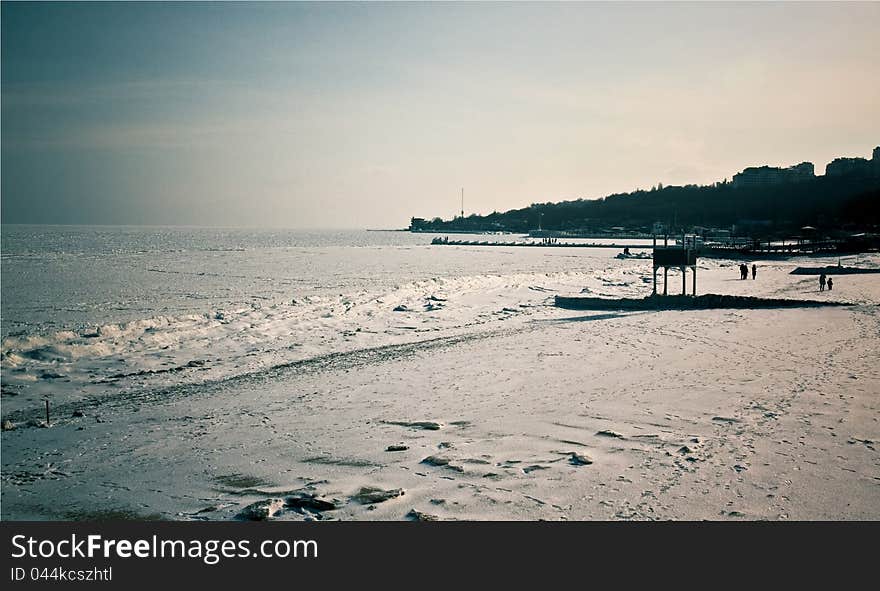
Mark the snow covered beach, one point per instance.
(463, 396)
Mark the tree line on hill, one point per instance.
(846, 202)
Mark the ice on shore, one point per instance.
(555, 415)
(162, 351)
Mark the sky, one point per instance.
(334, 115)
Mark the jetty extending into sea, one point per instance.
(752, 250)
(443, 242)
(833, 270)
(685, 302)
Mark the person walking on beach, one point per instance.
(754, 271)
(822, 282)
(830, 283)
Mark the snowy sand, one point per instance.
(496, 406)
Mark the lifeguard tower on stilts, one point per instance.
(682, 255)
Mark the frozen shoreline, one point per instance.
(710, 414)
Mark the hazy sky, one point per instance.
(363, 115)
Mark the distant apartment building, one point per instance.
(772, 175)
(844, 166)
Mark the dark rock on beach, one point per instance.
(372, 494)
(312, 502)
(426, 425)
(261, 510)
(441, 462)
(580, 459)
(416, 515)
(608, 433)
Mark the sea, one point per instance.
(94, 311)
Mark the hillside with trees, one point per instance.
(850, 202)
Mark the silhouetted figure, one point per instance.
(830, 283)
(754, 271)
(822, 282)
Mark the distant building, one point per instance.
(863, 166)
(771, 175)
(842, 166)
